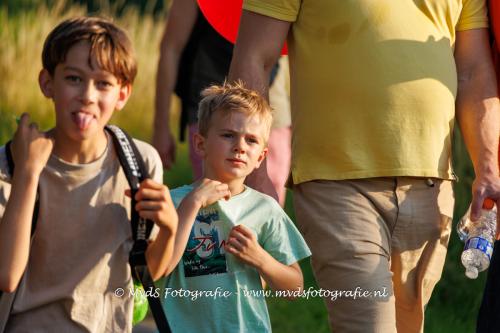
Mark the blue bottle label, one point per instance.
(480, 244)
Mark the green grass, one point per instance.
(301, 315)
(455, 301)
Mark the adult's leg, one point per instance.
(347, 225)
(419, 244)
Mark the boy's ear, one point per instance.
(261, 158)
(45, 83)
(125, 91)
(199, 144)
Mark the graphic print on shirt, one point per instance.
(205, 252)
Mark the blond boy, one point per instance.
(226, 246)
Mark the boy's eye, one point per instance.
(104, 84)
(227, 135)
(252, 140)
(73, 78)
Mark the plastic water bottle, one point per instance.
(479, 237)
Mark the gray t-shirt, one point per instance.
(79, 253)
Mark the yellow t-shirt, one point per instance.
(373, 84)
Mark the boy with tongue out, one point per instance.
(67, 277)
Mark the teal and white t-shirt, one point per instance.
(209, 289)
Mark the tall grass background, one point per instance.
(454, 304)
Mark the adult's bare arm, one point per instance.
(180, 22)
(258, 47)
(478, 113)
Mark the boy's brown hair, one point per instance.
(232, 97)
(109, 46)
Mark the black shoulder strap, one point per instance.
(10, 161)
(10, 166)
(135, 171)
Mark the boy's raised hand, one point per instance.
(210, 191)
(243, 244)
(154, 203)
(31, 148)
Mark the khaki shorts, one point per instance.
(386, 236)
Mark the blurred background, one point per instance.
(24, 24)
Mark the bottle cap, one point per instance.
(488, 204)
(471, 272)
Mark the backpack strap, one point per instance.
(10, 167)
(135, 171)
(10, 160)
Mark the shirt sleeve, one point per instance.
(285, 10)
(473, 16)
(283, 241)
(179, 193)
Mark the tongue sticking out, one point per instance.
(82, 120)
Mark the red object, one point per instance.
(494, 8)
(489, 203)
(224, 16)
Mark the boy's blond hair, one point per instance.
(233, 97)
(109, 45)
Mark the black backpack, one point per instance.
(135, 171)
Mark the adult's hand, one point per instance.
(485, 187)
(164, 142)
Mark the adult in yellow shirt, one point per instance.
(375, 87)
